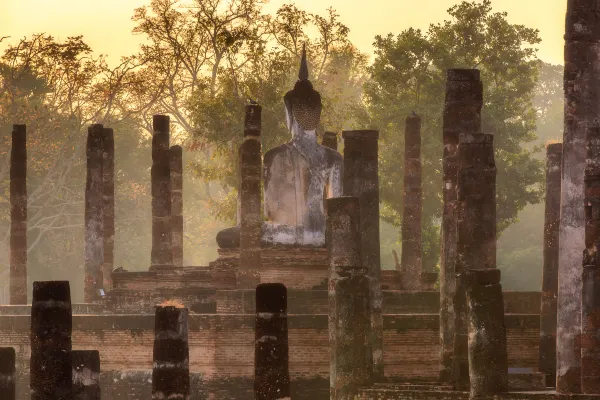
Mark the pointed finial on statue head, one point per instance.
(303, 74)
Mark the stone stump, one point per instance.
(547, 363)
(50, 373)
(250, 200)
(582, 106)
(176, 160)
(7, 373)
(412, 249)
(349, 303)
(462, 114)
(171, 371)
(162, 252)
(94, 217)
(108, 205)
(271, 357)
(86, 375)
(488, 357)
(18, 216)
(361, 179)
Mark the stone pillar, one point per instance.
(250, 200)
(176, 160)
(590, 299)
(108, 205)
(550, 271)
(162, 252)
(18, 216)
(412, 249)
(475, 229)
(330, 140)
(349, 301)
(582, 106)
(271, 359)
(361, 179)
(86, 375)
(50, 373)
(462, 113)
(94, 218)
(7, 373)
(488, 358)
(171, 371)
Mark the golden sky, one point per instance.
(106, 24)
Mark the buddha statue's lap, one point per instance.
(297, 177)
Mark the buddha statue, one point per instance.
(298, 175)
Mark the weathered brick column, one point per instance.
(108, 205)
(7, 373)
(582, 106)
(271, 357)
(250, 200)
(162, 252)
(590, 299)
(349, 303)
(330, 140)
(550, 271)
(475, 228)
(412, 248)
(86, 374)
(176, 160)
(50, 371)
(171, 371)
(361, 179)
(462, 113)
(18, 216)
(94, 217)
(488, 357)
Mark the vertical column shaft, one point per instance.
(250, 200)
(349, 301)
(361, 179)
(7, 373)
(51, 375)
(18, 216)
(176, 159)
(162, 253)
(412, 248)
(171, 371)
(462, 113)
(94, 218)
(86, 374)
(271, 358)
(550, 270)
(108, 205)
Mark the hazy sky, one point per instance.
(106, 24)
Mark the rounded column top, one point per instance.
(361, 134)
(463, 74)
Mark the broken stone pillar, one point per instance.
(176, 160)
(50, 371)
(108, 205)
(349, 301)
(86, 375)
(250, 200)
(590, 296)
(412, 248)
(7, 373)
(18, 216)
(488, 357)
(171, 371)
(582, 106)
(330, 140)
(162, 252)
(271, 358)
(547, 363)
(462, 113)
(361, 179)
(94, 217)
(475, 229)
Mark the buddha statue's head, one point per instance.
(303, 103)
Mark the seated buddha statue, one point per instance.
(298, 175)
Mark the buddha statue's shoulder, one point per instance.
(276, 152)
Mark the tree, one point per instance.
(408, 74)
